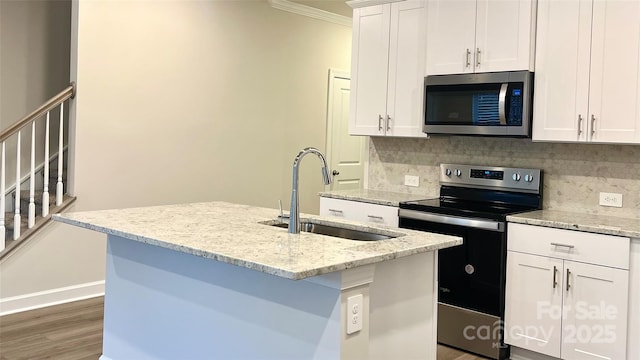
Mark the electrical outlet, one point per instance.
(610, 199)
(412, 180)
(354, 313)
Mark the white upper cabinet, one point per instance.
(369, 64)
(387, 74)
(587, 80)
(466, 36)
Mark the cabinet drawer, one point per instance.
(359, 211)
(580, 246)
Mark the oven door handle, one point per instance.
(453, 220)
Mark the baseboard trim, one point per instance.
(51, 297)
(523, 354)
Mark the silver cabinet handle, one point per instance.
(568, 273)
(336, 211)
(478, 52)
(388, 123)
(468, 58)
(563, 245)
(502, 104)
(579, 124)
(379, 122)
(555, 274)
(593, 125)
(375, 217)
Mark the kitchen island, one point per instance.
(219, 281)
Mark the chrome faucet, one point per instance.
(294, 212)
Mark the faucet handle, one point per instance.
(282, 215)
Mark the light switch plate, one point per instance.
(610, 199)
(412, 180)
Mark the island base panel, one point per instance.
(163, 304)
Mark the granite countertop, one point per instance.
(608, 225)
(234, 234)
(374, 196)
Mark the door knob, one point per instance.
(335, 172)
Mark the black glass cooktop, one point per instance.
(477, 203)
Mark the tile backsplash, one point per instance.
(574, 174)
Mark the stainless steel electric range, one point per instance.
(474, 202)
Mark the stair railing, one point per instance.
(50, 105)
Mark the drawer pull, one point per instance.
(563, 245)
(555, 273)
(375, 217)
(568, 273)
(336, 211)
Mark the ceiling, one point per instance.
(335, 6)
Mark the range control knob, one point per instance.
(458, 173)
(447, 172)
(516, 177)
(528, 178)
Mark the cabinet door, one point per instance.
(533, 310)
(615, 72)
(504, 32)
(451, 28)
(369, 64)
(595, 305)
(560, 104)
(407, 48)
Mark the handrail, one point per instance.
(65, 94)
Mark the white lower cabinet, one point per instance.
(359, 211)
(561, 306)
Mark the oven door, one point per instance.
(470, 275)
(471, 281)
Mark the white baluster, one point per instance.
(31, 219)
(45, 192)
(16, 204)
(59, 187)
(2, 200)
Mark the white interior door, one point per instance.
(346, 153)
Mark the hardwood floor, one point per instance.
(447, 353)
(73, 331)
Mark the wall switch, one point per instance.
(354, 313)
(610, 199)
(412, 180)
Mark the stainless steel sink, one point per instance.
(336, 231)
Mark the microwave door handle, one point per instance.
(502, 104)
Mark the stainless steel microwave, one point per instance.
(485, 104)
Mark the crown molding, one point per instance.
(310, 12)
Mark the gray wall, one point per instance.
(34, 54)
(35, 40)
(574, 174)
